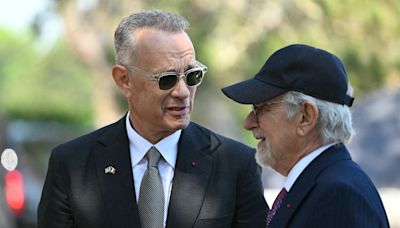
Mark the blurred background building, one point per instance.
(55, 77)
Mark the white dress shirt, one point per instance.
(301, 165)
(168, 148)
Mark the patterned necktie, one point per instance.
(151, 197)
(276, 205)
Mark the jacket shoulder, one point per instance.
(225, 143)
(82, 144)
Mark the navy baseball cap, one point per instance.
(296, 67)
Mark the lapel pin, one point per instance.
(110, 170)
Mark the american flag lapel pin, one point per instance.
(110, 170)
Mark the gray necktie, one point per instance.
(151, 197)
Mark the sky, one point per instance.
(16, 15)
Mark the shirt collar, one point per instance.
(168, 146)
(302, 164)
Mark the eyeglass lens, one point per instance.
(193, 78)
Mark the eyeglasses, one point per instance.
(258, 109)
(168, 80)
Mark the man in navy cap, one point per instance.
(301, 117)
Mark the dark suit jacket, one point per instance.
(332, 192)
(222, 189)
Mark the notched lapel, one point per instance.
(290, 204)
(191, 178)
(117, 188)
(306, 182)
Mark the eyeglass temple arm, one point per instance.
(138, 70)
(204, 68)
(145, 73)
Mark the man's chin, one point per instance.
(261, 160)
(180, 124)
(263, 157)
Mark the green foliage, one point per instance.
(236, 38)
(233, 38)
(42, 85)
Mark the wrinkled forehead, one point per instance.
(164, 49)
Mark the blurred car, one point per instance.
(20, 188)
(12, 198)
(6, 220)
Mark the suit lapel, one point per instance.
(191, 177)
(117, 189)
(305, 183)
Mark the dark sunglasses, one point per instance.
(168, 80)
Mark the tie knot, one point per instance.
(281, 195)
(153, 157)
(276, 205)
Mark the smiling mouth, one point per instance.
(260, 139)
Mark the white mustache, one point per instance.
(257, 133)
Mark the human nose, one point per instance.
(181, 89)
(250, 122)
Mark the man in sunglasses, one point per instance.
(302, 120)
(153, 168)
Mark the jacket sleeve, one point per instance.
(342, 205)
(54, 208)
(251, 208)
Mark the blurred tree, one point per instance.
(88, 30)
(234, 38)
(38, 86)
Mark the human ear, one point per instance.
(122, 79)
(308, 118)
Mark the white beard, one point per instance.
(264, 154)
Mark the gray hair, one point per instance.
(124, 40)
(334, 120)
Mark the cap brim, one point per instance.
(252, 91)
